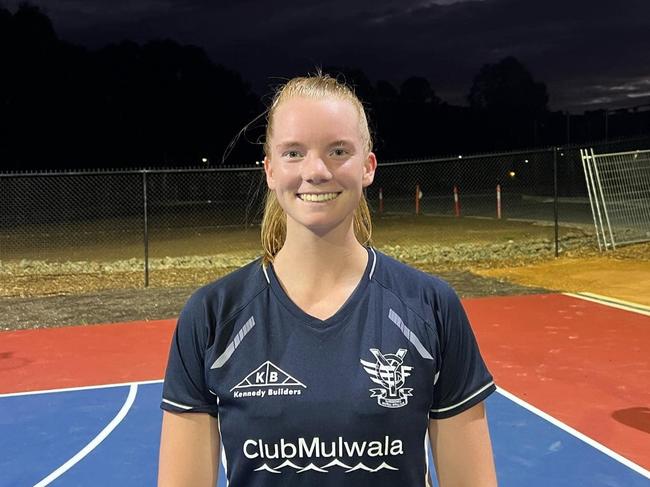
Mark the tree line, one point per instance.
(163, 104)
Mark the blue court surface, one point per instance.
(109, 436)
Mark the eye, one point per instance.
(292, 154)
(339, 152)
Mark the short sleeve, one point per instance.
(463, 379)
(184, 387)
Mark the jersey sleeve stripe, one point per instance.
(469, 398)
(230, 349)
(182, 406)
(394, 317)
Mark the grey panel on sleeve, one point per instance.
(230, 349)
(394, 317)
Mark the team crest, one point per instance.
(389, 372)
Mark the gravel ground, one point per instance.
(30, 278)
(123, 305)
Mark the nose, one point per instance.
(314, 169)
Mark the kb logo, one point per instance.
(271, 374)
(268, 375)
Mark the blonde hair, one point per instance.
(274, 221)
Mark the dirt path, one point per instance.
(628, 280)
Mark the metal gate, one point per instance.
(619, 192)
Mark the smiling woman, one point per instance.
(317, 164)
(324, 362)
(325, 132)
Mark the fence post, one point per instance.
(555, 202)
(381, 201)
(146, 228)
(498, 202)
(456, 202)
(418, 195)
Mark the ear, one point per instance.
(268, 169)
(369, 167)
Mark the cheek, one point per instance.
(352, 174)
(286, 178)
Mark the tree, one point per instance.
(508, 88)
(418, 90)
(385, 91)
(62, 106)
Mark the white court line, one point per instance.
(612, 302)
(589, 441)
(593, 443)
(83, 388)
(609, 299)
(95, 441)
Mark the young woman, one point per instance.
(326, 362)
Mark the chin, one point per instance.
(321, 226)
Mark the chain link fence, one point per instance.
(447, 210)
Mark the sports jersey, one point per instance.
(344, 401)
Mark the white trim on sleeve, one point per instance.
(442, 410)
(182, 406)
(374, 262)
(266, 274)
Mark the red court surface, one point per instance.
(75, 356)
(584, 363)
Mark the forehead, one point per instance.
(308, 119)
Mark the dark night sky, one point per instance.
(590, 53)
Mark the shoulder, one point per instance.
(410, 283)
(228, 294)
(428, 296)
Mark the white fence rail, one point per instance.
(619, 192)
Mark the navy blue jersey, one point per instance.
(342, 401)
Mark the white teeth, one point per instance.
(318, 197)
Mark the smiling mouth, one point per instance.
(317, 197)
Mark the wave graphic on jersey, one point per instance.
(336, 463)
(390, 373)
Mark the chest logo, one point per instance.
(268, 380)
(390, 373)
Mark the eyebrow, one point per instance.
(286, 145)
(291, 143)
(342, 142)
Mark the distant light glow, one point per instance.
(512, 174)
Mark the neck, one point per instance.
(320, 260)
